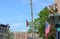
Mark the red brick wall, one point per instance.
(20, 35)
(24, 35)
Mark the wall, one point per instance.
(20, 35)
(58, 5)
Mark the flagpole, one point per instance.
(32, 19)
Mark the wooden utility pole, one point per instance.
(32, 19)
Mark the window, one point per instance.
(1, 36)
(2, 30)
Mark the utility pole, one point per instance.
(32, 19)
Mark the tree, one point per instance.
(43, 17)
(11, 35)
(36, 25)
(39, 24)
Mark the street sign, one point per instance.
(58, 29)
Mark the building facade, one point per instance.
(24, 35)
(4, 31)
(20, 35)
(58, 5)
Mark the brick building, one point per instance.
(58, 5)
(20, 35)
(24, 35)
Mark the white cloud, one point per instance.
(18, 27)
(15, 24)
(24, 2)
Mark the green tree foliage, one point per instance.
(35, 26)
(43, 16)
(39, 24)
(11, 35)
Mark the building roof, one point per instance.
(4, 25)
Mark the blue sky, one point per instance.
(16, 12)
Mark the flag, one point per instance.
(27, 23)
(47, 29)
